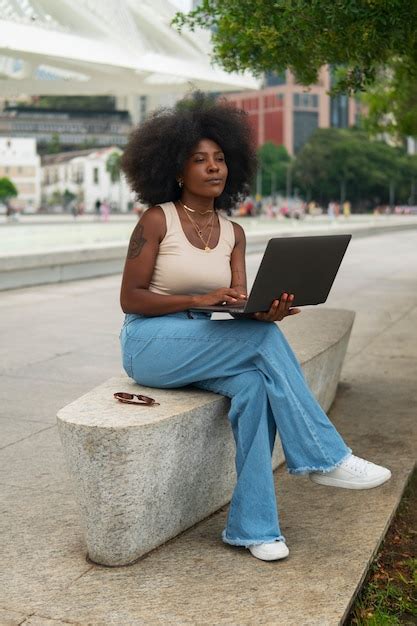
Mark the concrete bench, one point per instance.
(144, 474)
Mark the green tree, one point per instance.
(56, 198)
(113, 167)
(392, 101)
(303, 36)
(67, 198)
(273, 163)
(54, 146)
(7, 190)
(358, 38)
(339, 164)
(407, 183)
(196, 98)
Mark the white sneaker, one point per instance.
(353, 473)
(269, 551)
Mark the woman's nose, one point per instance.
(213, 166)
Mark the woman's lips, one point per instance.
(215, 181)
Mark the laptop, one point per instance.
(304, 266)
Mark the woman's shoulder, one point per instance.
(238, 230)
(235, 232)
(154, 218)
(153, 214)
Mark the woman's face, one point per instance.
(205, 171)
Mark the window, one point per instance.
(79, 175)
(339, 114)
(305, 122)
(305, 101)
(95, 176)
(273, 78)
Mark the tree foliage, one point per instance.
(7, 189)
(303, 36)
(54, 146)
(68, 197)
(338, 164)
(113, 166)
(392, 101)
(273, 163)
(358, 37)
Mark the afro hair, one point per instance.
(158, 149)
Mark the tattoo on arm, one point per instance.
(137, 241)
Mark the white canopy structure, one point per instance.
(104, 47)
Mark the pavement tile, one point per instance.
(12, 431)
(11, 618)
(74, 367)
(39, 620)
(47, 338)
(46, 343)
(35, 462)
(36, 401)
(44, 551)
(399, 344)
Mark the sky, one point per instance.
(183, 5)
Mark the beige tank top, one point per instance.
(181, 268)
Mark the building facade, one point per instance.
(68, 128)
(287, 113)
(20, 162)
(83, 176)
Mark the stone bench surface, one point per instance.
(144, 474)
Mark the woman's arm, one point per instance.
(237, 260)
(238, 266)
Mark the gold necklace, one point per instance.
(200, 232)
(194, 210)
(199, 229)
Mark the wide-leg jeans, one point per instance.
(250, 362)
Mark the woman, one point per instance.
(187, 163)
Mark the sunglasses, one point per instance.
(129, 398)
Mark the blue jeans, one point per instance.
(252, 363)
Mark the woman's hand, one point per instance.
(225, 295)
(279, 309)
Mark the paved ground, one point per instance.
(58, 341)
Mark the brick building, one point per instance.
(287, 113)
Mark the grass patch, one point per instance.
(389, 594)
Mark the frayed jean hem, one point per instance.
(249, 542)
(322, 470)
